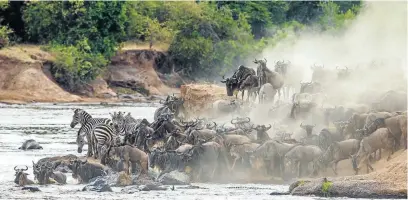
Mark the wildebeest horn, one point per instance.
(15, 168)
(346, 68)
(314, 125)
(265, 60)
(249, 119)
(270, 126)
(232, 121)
(301, 124)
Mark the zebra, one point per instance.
(104, 137)
(87, 124)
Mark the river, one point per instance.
(48, 124)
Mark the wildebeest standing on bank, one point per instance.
(265, 75)
(382, 138)
(237, 79)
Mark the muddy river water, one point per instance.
(48, 124)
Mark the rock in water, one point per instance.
(99, 185)
(175, 178)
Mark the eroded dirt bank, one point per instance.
(133, 75)
(389, 180)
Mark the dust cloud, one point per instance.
(379, 34)
(373, 47)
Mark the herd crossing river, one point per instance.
(48, 124)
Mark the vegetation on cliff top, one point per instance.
(205, 39)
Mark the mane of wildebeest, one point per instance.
(85, 171)
(266, 75)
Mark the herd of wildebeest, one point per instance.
(207, 148)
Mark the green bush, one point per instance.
(74, 67)
(4, 36)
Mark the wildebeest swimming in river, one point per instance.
(30, 144)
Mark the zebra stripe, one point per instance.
(88, 124)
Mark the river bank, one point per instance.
(388, 181)
(134, 75)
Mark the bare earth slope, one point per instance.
(22, 77)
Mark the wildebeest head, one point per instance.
(75, 166)
(282, 67)
(36, 170)
(231, 85)
(308, 128)
(19, 172)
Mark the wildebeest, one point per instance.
(59, 177)
(310, 87)
(207, 155)
(301, 156)
(266, 75)
(161, 111)
(21, 177)
(337, 152)
(30, 144)
(241, 151)
(261, 134)
(303, 104)
(166, 161)
(382, 138)
(235, 82)
(391, 101)
(266, 93)
(272, 153)
(131, 155)
(326, 138)
(250, 84)
(396, 124)
(225, 107)
(85, 171)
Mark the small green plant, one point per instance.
(302, 182)
(326, 187)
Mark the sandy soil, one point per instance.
(198, 98)
(22, 77)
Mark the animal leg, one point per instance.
(89, 153)
(379, 154)
(299, 166)
(233, 164)
(243, 91)
(389, 156)
(334, 166)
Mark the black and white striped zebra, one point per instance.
(87, 125)
(104, 137)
